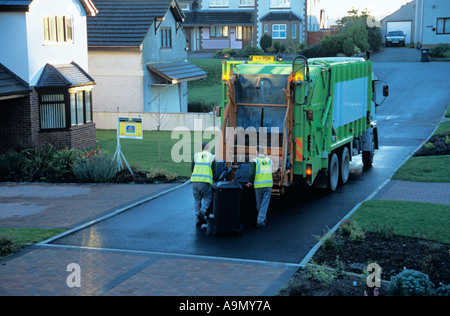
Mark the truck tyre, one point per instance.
(344, 165)
(333, 173)
(367, 156)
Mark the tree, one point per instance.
(355, 17)
(159, 115)
(355, 35)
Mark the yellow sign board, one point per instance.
(130, 127)
(262, 58)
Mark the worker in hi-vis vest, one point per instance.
(261, 177)
(203, 172)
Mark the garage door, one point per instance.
(404, 26)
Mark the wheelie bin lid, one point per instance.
(226, 185)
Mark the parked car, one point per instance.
(395, 37)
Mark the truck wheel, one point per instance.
(333, 173)
(367, 157)
(344, 165)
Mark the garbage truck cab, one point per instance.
(309, 116)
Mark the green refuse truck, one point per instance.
(310, 116)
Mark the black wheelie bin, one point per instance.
(226, 206)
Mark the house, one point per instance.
(137, 54)
(281, 19)
(45, 87)
(401, 20)
(236, 24)
(219, 24)
(426, 22)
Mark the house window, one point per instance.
(218, 31)
(279, 31)
(52, 112)
(58, 29)
(80, 107)
(52, 109)
(280, 3)
(246, 3)
(294, 31)
(239, 32)
(266, 28)
(166, 37)
(218, 3)
(443, 26)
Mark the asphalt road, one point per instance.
(419, 94)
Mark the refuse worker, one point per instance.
(203, 172)
(261, 176)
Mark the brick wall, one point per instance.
(19, 128)
(15, 124)
(316, 37)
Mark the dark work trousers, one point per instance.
(262, 203)
(202, 195)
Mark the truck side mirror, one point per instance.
(385, 91)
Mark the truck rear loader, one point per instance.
(309, 116)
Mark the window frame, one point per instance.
(216, 4)
(444, 30)
(247, 3)
(58, 29)
(43, 112)
(277, 4)
(294, 31)
(239, 33)
(166, 37)
(279, 31)
(69, 117)
(223, 31)
(86, 117)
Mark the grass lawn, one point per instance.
(144, 153)
(209, 90)
(408, 219)
(425, 169)
(31, 235)
(443, 128)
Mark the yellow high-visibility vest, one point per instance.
(263, 174)
(202, 167)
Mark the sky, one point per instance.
(336, 9)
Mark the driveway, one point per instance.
(397, 54)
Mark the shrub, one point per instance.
(443, 290)
(95, 168)
(8, 244)
(40, 162)
(12, 166)
(439, 50)
(319, 273)
(226, 52)
(374, 38)
(357, 234)
(317, 50)
(345, 227)
(276, 46)
(265, 42)
(294, 48)
(351, 40)
(410, 283)
(250, 51)
(161, 175)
